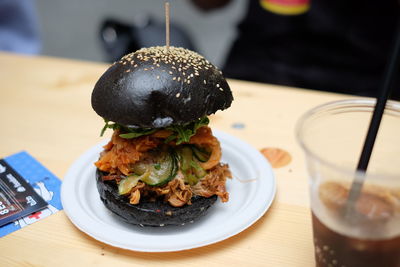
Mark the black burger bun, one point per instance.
(154, 88)
(148, 213)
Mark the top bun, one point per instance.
(155, 87)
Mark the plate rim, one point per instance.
(81, 162)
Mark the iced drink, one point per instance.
(366, 230)
(370, 236)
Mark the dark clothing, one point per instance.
(340, 46)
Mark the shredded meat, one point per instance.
(179, 193)
(120, 153)
(111, 177)
(214, 183)
(176, 192)
(134, 197)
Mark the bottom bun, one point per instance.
(150, 213)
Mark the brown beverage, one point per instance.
(367, 232)
(334, 249)
(374, 211)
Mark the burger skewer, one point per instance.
(167, 25)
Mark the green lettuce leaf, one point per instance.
(184, 132)
(181, 133)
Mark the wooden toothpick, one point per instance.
(167, 25)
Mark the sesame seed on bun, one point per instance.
(155, 87)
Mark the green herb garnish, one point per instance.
(108, 125)
(133, 133)
(129, 132)
(184, 132)
(181, 133)
(157, 166)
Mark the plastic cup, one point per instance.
(332, 136)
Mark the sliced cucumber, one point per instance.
(201, 154)
(197, 169)
(125, 186)
(189, 163)
(140, 168)
(162, 171)
(186, 156)
(190, 178)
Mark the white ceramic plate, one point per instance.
(248, 202)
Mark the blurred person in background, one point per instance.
(19, 31)
(338, 46)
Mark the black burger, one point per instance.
(162, 165)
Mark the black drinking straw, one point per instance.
(384, 93)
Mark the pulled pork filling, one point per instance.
(122, 156)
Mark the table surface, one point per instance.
(45, 109)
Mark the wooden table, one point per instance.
(45, 109)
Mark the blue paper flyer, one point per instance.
(44, 183)
(17, 198)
